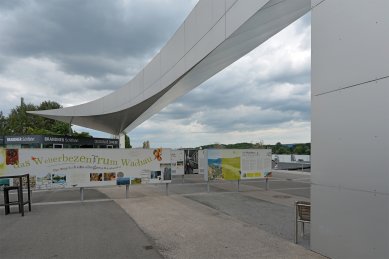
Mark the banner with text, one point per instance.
(61, 168)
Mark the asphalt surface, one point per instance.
(189, 222)
(287, 182)
(74, 230)
(273, 218)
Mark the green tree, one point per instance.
(299, 149)
(82, 134)
(3, 124)
(127, 144)
(21, 122)
(280, 149)
(53, 126)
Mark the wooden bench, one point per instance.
(303, 215)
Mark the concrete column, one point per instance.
(122, 140)
(350, 128)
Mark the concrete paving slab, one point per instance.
(273, 218)
(184, 228)
(188, 223)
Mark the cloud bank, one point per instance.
(73, 51)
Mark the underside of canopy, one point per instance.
(214, 35)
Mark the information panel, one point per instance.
(61, 168)
(177, 158)
(238, 164)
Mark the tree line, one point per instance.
(297, 149)
(278, 148)
(19, 122)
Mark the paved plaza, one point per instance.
(229, 221)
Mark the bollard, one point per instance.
(267, 184)
(127, 188)
(238, 184)
(167, 189)
(208, 186)
(82, 193)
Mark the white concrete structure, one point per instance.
(350, 128)
(350, 77)
(214, 35)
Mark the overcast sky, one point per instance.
(75, 51)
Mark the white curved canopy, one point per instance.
(214, 35)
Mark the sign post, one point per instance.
(127, 188)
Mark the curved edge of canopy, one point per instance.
(176, 70)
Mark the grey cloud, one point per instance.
(253, 94)
(291, 76)
(294, 79)
(305, 21)
(104, 29)
(7, 5)
(110, 43)
(216, 103)
(92, 65)
(226, 120)
(3, 63)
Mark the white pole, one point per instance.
(122, 140)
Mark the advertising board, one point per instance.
(238, 164)
(64, 168)
(177, 159)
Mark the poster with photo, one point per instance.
(177, 159)
(238, 164)
(166, 171)
(58, 180)
(62, 168)
(43, 181)
(191, 161)
(2, 161)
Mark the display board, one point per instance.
(61, 168)
(177, 159)
(191, 161)
(238, 164)
(202, 161)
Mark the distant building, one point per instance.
(56, 141)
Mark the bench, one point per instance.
(303, 215)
